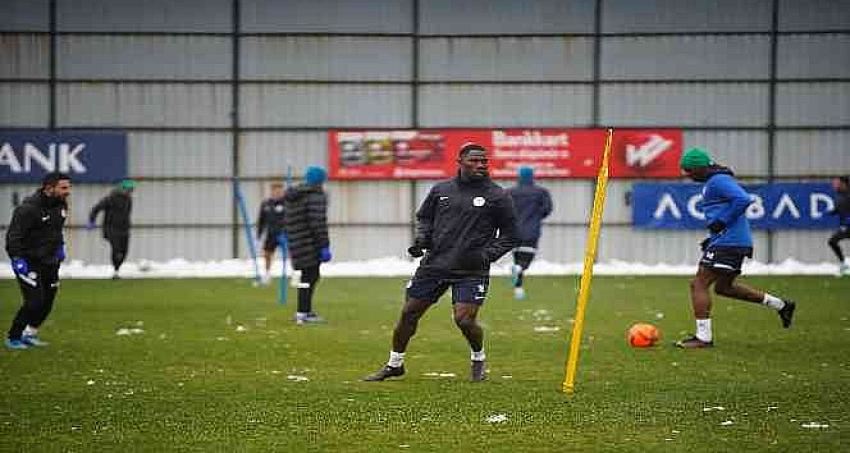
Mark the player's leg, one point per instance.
(467, 296)
(523, 256)
(422, 292)
(701, 303)
(33, 297)
(117, 244)
(835, 244)
(50, 286)
(269, 246)
(728, 263)
(306, 288)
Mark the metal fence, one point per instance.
(216, 89)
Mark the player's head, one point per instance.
(841, 183)
(472, 160)
(525, 175)
(315, 175)
(277, 189)
(127, 185)
(56, 185)
(695, 163)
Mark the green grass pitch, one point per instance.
(216, 365)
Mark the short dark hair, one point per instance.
(466, 148)
(844, 180)
(54, 177)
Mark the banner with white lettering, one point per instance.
(26, 156)
(774, 206)
(553, 153)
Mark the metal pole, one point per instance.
(771, 115)
(234, 123)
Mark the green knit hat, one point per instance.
(695, 158)
(127, 184)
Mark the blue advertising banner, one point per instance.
(774, 206)
(26, 156)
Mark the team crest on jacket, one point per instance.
(478, 201)
(64, 213)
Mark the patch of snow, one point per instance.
(496, 418)
(400, 267)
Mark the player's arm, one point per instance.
(425, 223)
(317, 216)
(738, 198)
(506, 223)
(23, 219)
(261, 220)
(95, 210)
(547, 203)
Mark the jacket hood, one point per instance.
(294, 193)
(719, 170)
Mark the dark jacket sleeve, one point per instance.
(101, 205)
(23, 219)
(547, 203)
(261, 220)
(317, 216)
(506, 223)
(425, 221)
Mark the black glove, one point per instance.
(716, 227)
(704, 244)
(415, 251)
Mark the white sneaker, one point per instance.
(519, 293)
(844, 269)
(265, 279)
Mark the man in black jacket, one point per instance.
(842, 210)
(117, 207)
(533, 204)
(463, 225)
(271, 223)
(36, 247)
(306, 225)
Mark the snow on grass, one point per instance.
(496, 418)
(396, 267)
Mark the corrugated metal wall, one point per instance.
(163, 70)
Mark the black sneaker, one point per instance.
(787, 313)
(478, 372)
(693, 342)
(384, 373)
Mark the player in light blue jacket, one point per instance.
(724, 203)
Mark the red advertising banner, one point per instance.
(553, 153)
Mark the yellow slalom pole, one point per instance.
(587, 272)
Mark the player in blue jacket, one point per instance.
(724, 203)
(532, 204)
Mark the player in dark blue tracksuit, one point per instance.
(532, 204)
(271, 222)
(842, 210)
(464, 224)
(724, 203)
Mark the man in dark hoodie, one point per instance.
(842, 210)
(724, 203)
(463, 225)
(533, 204)
(36, 247)
(306, 225)
(116, 207)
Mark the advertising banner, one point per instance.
(26, 156)
(774, 206)
(553, 153)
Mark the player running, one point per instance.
(724, 203)
(533, 204)
(271, 223)
(842, 210)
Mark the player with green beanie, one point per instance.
(695, 158)
(116, 207)
(724, 203)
